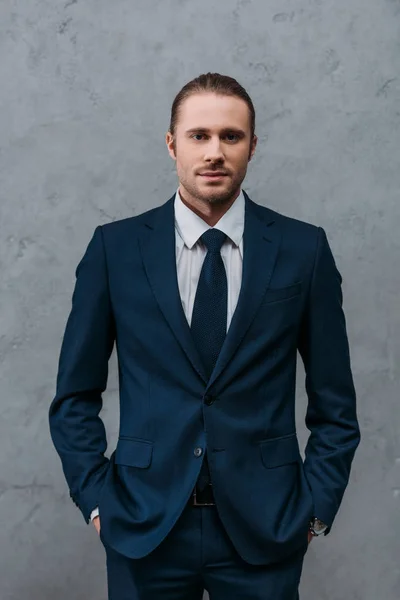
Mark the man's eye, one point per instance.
(228, 135)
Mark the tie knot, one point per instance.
(213, 239)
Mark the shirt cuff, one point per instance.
(94, 513)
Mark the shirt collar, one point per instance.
(190, 226)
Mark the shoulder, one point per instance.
(130, 224)
(296, 233)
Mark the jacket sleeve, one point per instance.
(76, 429)
(331, 413)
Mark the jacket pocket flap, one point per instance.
(273, 295)
(133, 453)
(280, 451)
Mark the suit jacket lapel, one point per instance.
(261, 240)
(159, 258)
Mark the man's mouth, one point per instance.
(210, 175)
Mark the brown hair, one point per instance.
(216, 83)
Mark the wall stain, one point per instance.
(268, 71)
(241, 4)
(64, 26)
(332, 61)
(53, 199)
(105, 214)
(279, 115)
(383, 90)
(283, 17)
(30, 487)
(23, 244)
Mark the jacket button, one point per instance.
(209, 400)
(198, 452)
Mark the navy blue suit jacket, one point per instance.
(127, 293)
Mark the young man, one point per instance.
(208, 298)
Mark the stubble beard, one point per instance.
(214, 199)
(217, 199)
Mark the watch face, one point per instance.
(318, 527)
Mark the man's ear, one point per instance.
(169, 140)
(253, 147)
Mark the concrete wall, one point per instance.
(85, 94)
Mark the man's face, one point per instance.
(212, 135)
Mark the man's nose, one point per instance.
(214, 151)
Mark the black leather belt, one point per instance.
(202, 498)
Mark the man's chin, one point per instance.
(216, 198)
(212, 197)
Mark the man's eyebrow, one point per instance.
(224, 130)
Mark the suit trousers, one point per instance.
(198, 555)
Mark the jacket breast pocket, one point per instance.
(285, 293)
(133, 452)
(276, 452)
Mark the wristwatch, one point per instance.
(317, 527)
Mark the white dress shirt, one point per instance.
(190, 254)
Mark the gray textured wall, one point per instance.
(85, 93)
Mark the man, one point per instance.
(208, 298)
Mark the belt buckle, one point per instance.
(199, 503)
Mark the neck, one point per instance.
(210, 213)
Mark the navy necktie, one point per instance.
(209, 317)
